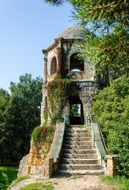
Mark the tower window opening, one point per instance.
(76, 64)
(53, 66)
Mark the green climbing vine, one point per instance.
(58, 90)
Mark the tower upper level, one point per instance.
(61, 57)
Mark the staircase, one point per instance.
(79, 156)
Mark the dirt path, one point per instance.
(71, 183)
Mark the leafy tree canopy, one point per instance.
(21, 116)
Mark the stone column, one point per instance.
(111, 165)
(45, 65)
(59, 56)
(43, 103)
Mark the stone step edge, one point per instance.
(79, 149)
(72, 141)
(82, 172)
(80, 165)
(77, 138)
(77, 130)
(78, 146)
(80, 159)
(70, 154)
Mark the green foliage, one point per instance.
(111, 107)
(4, 100)
(108, 47)
(102, 52)
(7, 175)
(5, 181)
(42, 134)
(104, 10)
(58, 90)
(38, 186)
(20, 116)
(121, 182)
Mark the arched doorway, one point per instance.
(76, 111)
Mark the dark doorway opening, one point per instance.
(76, 111)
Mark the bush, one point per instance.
(42, 134)
(111, 108)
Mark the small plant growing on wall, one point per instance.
(42, 134)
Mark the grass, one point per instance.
(21, 178)
(17, 180)
(38, 186)
(7, 175)
(122, 182)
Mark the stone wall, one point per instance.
(36, 160)
(86, 90)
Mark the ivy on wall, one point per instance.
(58, 91)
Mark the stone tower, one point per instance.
(74, 150)
(61, 58)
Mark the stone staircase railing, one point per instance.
(54, 154)
(108, 160)
(98, 139)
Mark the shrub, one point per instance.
(111, 108)
(42, 134)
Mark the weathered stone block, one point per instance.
(23, 166)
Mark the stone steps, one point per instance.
(80, 143)
(79, 161)
(78, 135)
(76, 147)
(78, 151)
(80, 166)
(80, 172)
(73, 138)
(77, 130)
(79, 156)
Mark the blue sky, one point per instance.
(27, 27)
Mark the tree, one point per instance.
(4, 101)
(21, 116)
(108, 20)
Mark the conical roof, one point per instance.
(72, 33)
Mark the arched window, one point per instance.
(76, 64)
(53, 65)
